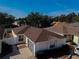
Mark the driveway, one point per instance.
(75, 57)
(23, 53)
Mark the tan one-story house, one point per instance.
(36, 39)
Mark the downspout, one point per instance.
(34, 49)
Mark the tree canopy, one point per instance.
(37, 19)
(6, 19)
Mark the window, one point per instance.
(21, 37)
(52, 46)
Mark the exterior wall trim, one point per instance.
(33, 46)
(58, 33)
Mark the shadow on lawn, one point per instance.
(53, 53)
(8, 51)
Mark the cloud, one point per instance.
(15, 12)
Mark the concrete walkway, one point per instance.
(23, 53)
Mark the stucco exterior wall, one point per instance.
(60, 42)
(14, 39)
(11, 41)
(31, 45)
(41, 46)
(47, 44)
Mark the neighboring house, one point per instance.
(69, 30)
(60, 28)
(74, 29)
(1, 37)
(36, 39)
(15, 24)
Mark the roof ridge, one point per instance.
(40, 34)
(24, 29)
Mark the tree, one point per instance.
(38, 20)
(69, 17)
(62, 18)
(21, 21)
(66, 18)
(6, 20)
(76, 18)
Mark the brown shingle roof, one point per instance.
(33, 33)
(74, 29)
(45, 36)
(18, 30)
(62, 28)
(37, 34)
(65, 28)
(58, 28)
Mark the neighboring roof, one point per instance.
(58, 28)
(65, 28)
(74, 29)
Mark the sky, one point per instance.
(21, 8)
